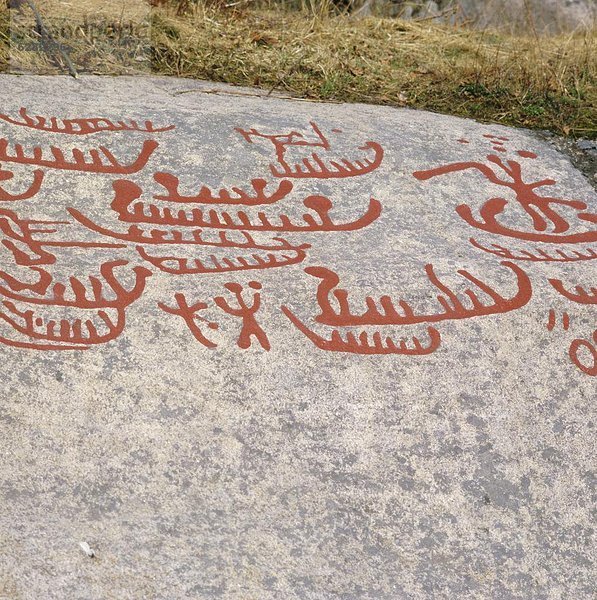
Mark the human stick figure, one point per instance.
(250, 326)
(188, 312)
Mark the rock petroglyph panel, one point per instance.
(262, 348)
(198, 234)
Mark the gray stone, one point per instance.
(551, 16)
(589, 146)
(350, 472)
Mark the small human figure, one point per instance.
(191, 318)
(250, 327)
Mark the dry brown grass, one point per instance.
(531, 81)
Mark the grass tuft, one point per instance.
(313, 51)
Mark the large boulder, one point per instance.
(542, 15)
(260, 348)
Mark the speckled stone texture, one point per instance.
(298, 472)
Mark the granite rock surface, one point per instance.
(261, 348)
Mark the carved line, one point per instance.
(538, 254)
(581, 296)
(80, 126)
(96, 163)
(361, 345)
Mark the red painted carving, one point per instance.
(493, 137)
(384, 311)
(551, 219)
(581, 296)
(316, 165)
(17, 238)
(78, 293)
(177, 265)
(241, 254)
(237, 196)
(38, 177)
(358, 343)
(126, 193)
(551, 323)
(28, 314)
(43, 313)
(587, 367)
(193, 237)
(538, 254)
(526, 154)
(65, 334)
(283, 141)
(193, 230)
(20, 237)
(100, 160)
(30, 344)
(188, 312)
(250, 327)
(540, 208)
(39, 230)
(80, 126)
(190, 234)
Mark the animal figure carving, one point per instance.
(189, 314)
(540, 208)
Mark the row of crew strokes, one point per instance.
(41, 311)
(201, 238)
(88, 160)
(335, 310)
(27, 305)
(101, 160)
(95, 311)
(193, 240)
(560, 230)
(26, 299)
(311, 166)
(31, 254)
(80, 126)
